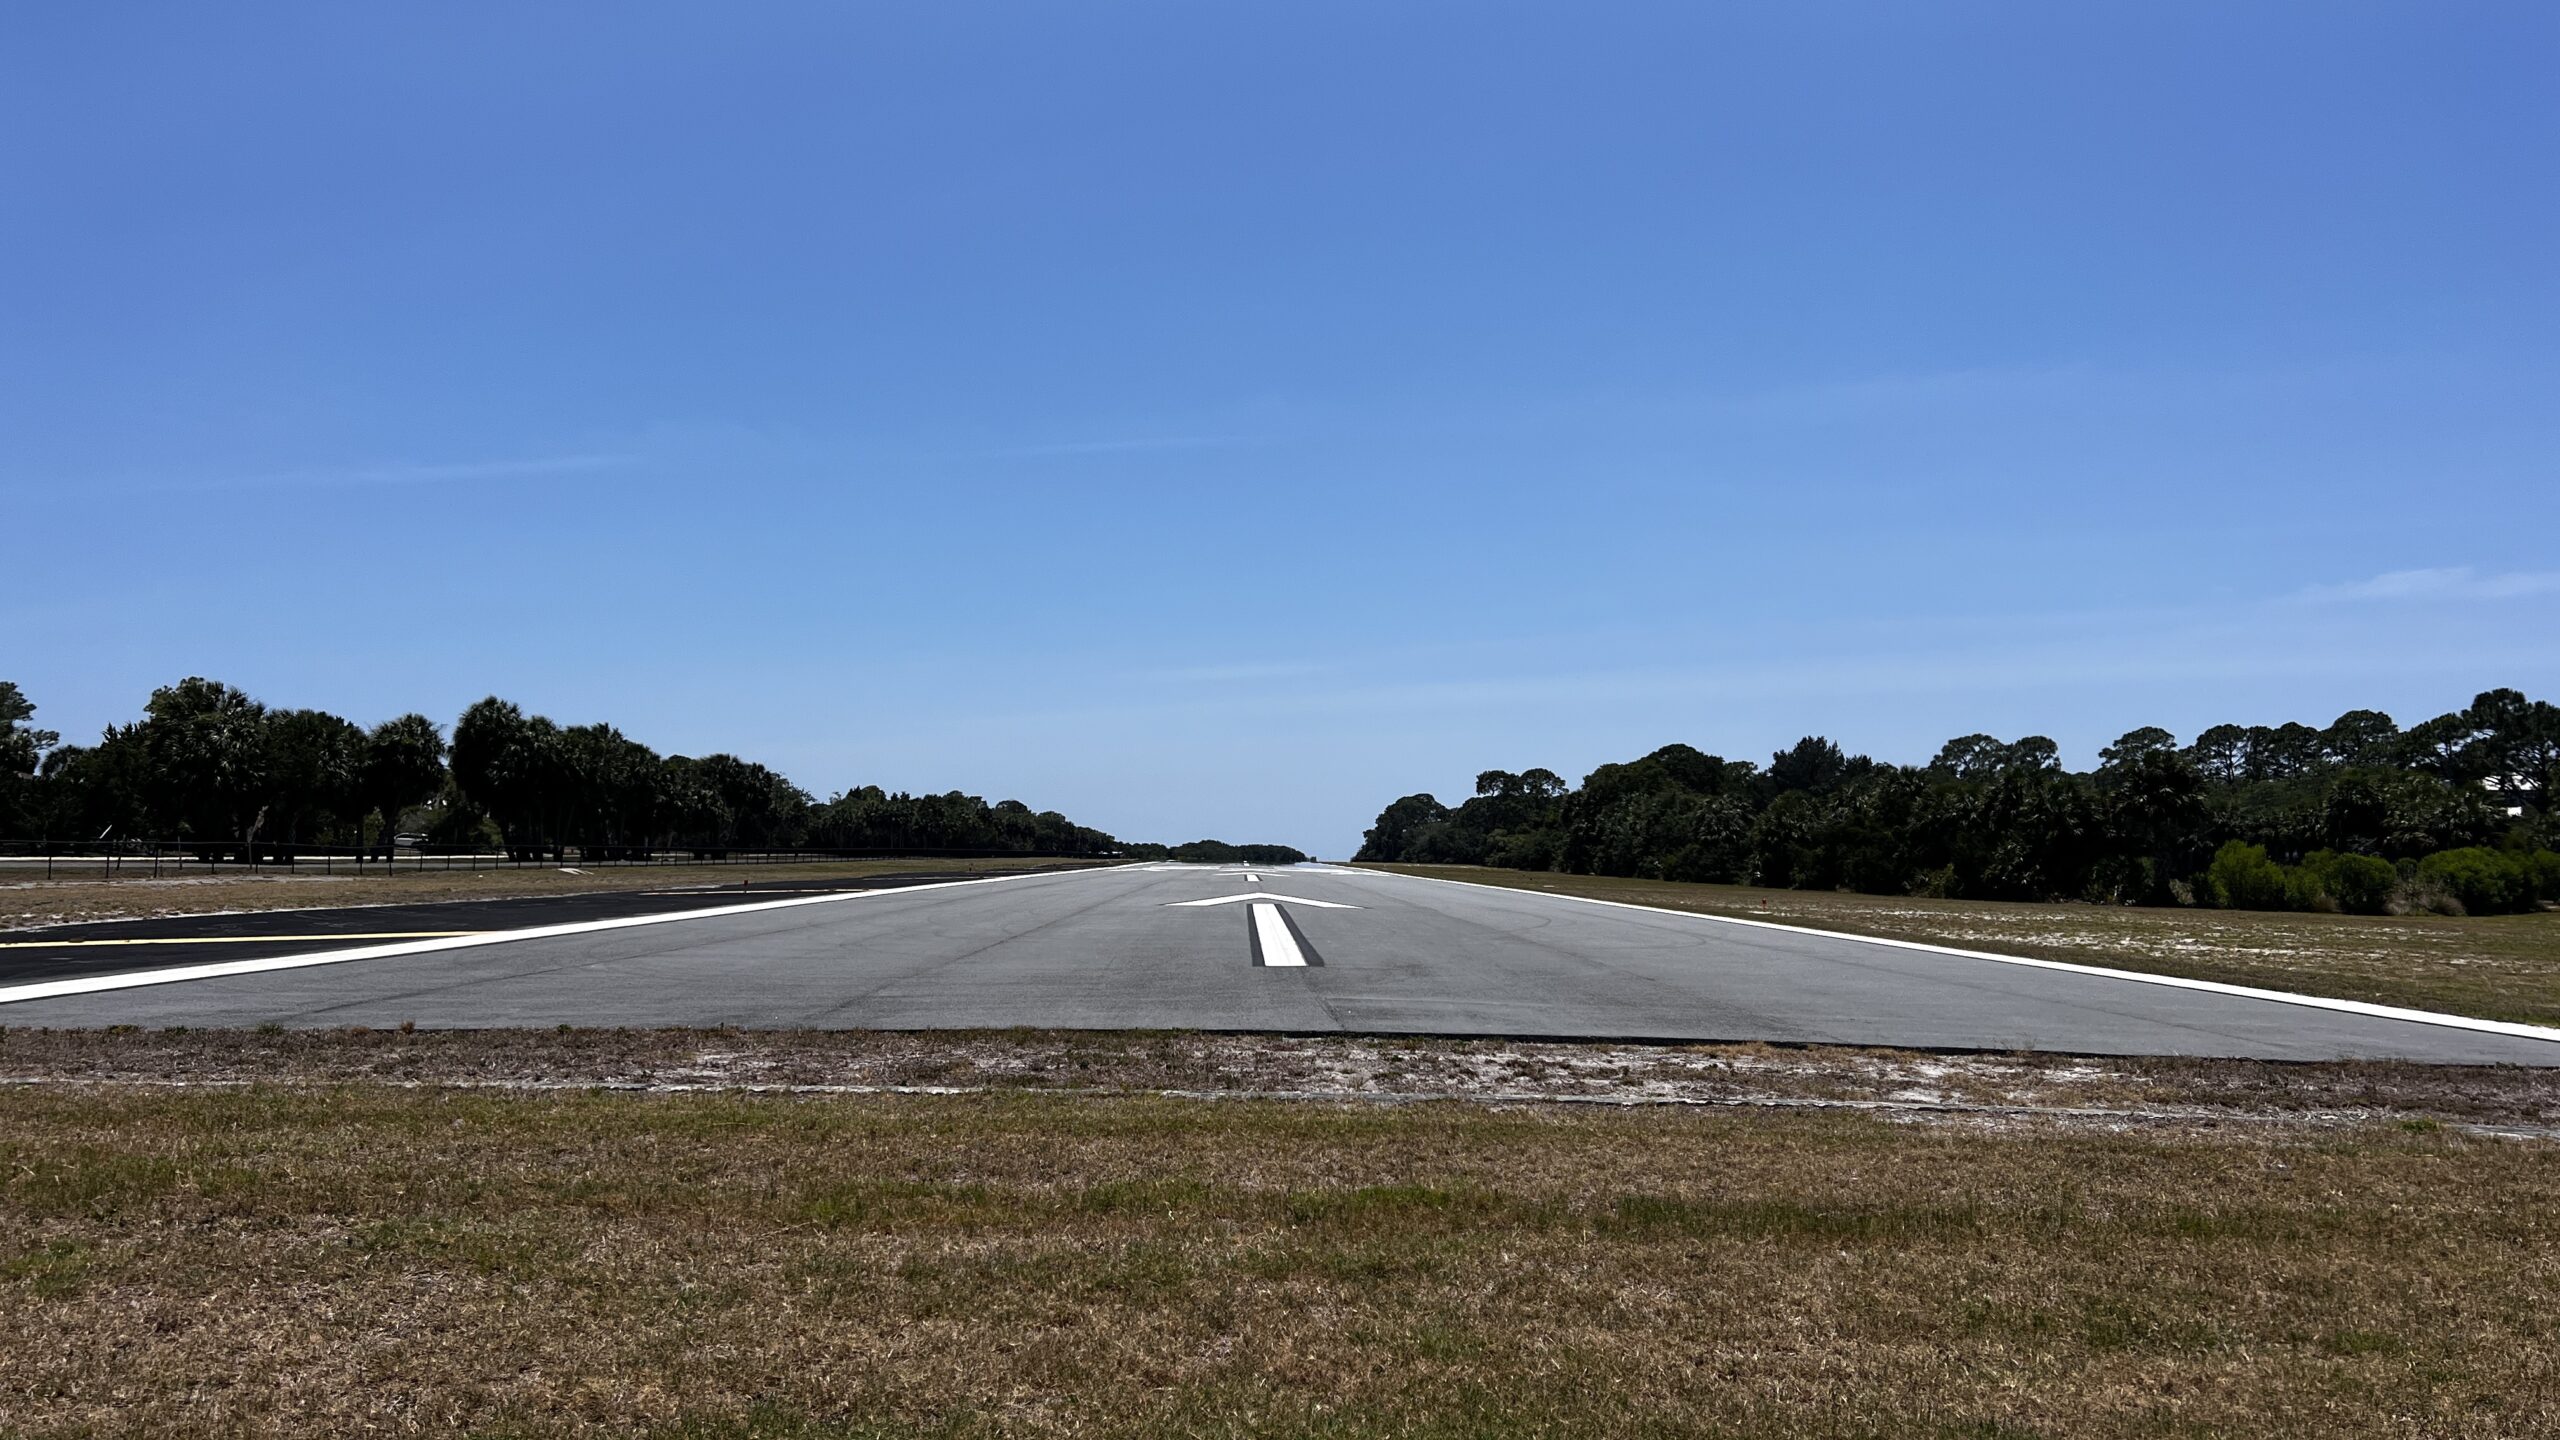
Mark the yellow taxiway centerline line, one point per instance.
(231, 939)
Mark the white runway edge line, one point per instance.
(135, 979)
(2175, 982)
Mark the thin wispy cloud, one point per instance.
(2107, 659)
(532, 467)
(484, 470)
(1134, 444)
(1932, 389)
(2448, 582)
(1242, 670)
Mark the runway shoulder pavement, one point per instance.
(1300, 949)
(109, 947)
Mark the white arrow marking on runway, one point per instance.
(1262, 897)
(1272, 936)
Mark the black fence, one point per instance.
(110, 859)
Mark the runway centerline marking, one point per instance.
(1276, 944)
(176, 974)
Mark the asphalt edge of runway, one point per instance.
(171, 975)
(2508, 1028)
(39, 932)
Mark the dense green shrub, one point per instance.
(2543, 866)
(2356, 884)
(2303, 890)
(2486, 882)
(2241, 877)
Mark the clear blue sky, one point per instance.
(1213, 419)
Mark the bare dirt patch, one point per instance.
(1906, 1083)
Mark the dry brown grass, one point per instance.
(25, 901)
(327, 1259)
(2501, 967)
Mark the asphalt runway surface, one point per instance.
(1304, 950)
(112, 946)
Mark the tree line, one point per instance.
(2453, 815)
(211, 767)
(1219, 852)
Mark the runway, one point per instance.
(1304, 949)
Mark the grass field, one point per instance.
(304, 1257)
(28, 901)
(2501, 967)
